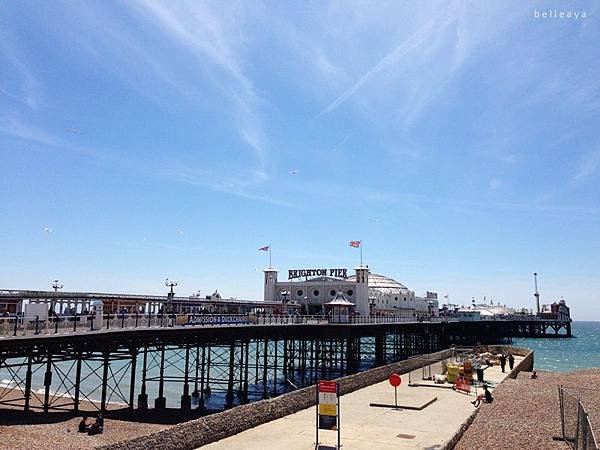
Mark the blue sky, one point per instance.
(458, 140)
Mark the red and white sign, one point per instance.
(327, 386)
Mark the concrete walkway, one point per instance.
(366, 427)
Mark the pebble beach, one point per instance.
(525, 413)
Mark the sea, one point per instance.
(564, 355)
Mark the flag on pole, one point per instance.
(357, 244)
(267, 248)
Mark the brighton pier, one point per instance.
(202, 362)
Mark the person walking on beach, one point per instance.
(511, 361)
(503, 362)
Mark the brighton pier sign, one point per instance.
(301, 273)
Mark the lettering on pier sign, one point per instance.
(300, 273)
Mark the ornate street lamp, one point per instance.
(56, 285)
(170, 295)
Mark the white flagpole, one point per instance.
(270, 265)
(360, 242)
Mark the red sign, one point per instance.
(395, 380)
(327, 386)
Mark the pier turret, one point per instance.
(270, 284)
(362, 290)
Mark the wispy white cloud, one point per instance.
(588, 166)
(239, 183)
(417, 49)
(194, 50)
(14, 127)
(215, 35)
(25, 87)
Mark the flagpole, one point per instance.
(270, 265)
(360, 253)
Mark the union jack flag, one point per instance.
(355, 244)
(264, 249)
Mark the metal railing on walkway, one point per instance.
(32, 326)
(577, 429)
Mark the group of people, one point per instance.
(511, 361)
(96, 427)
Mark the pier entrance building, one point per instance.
(372, 294)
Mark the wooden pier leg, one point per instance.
(28, 384)
(380, 350)
(134, 353)
(245, 384)
(203, 366)
(77, 382)
(276, 358)
(342, 355)
(47, 382)
(160, 402)
(229, 397)
(241, 371)
(196, 393)
(265, 368)
(104, 382)
(186, 399)
(285, 359)
(143, 397)
(208, 363)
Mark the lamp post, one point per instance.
(56, 285)
(170, 295)
(536, 294)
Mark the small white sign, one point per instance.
(327, 397)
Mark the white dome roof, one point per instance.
(386, 285)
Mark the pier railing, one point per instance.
(577, 429)
(31, 326)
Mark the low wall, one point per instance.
(199, 432)
(525, 365)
